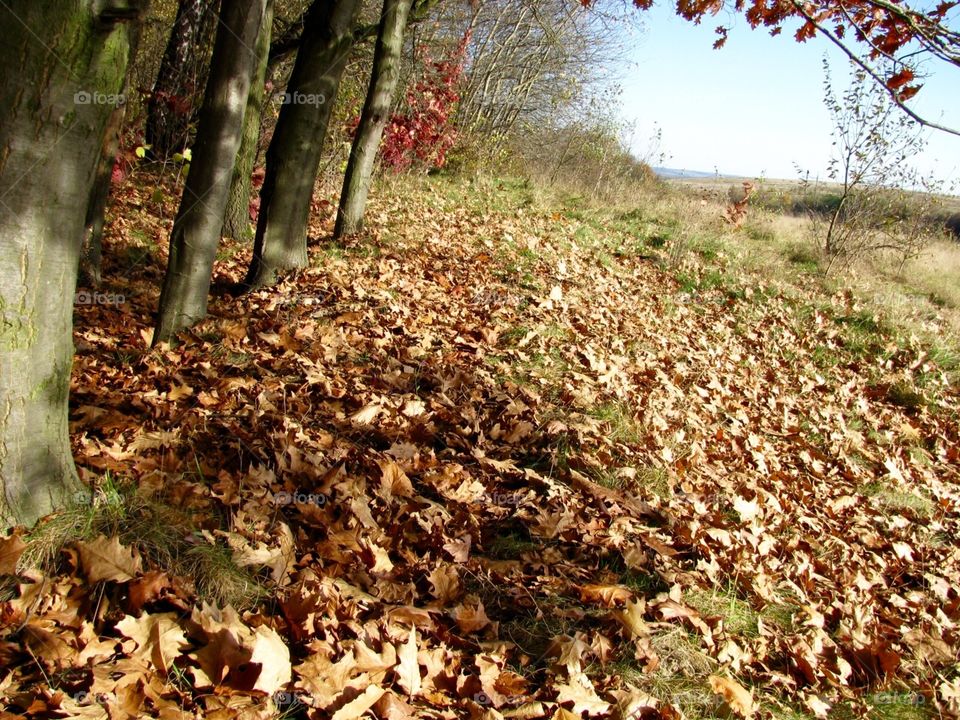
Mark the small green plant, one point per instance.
(875, 211)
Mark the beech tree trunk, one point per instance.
(172, 104)
(236, 222)
(376, 112)
(196, 230)
(91, 253)
(64, 67)
(293, 158)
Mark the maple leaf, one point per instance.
(147, 588)
(471, 618)
(273, 656)
(580, 691)
(607, 595)
(360, 704)
(631, 617)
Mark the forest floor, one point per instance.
(495, 457)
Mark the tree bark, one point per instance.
(373, 120)
(91, 252)
(293, 158)
(196, 230)
(172, 104)
(236, 223)
(64, 67)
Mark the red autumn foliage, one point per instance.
(422, 131)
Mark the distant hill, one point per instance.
(679, 173)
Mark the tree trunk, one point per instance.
(376, 112)
(196, 230)
(236, 223)
(293, 158)
(64, 66)
(172, 103)
(91, 252)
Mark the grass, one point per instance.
(164, 535)
(511, 546)
(738, 617)
(898, 500)
(619, 418)
(680, 678)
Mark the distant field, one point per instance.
(769, 189)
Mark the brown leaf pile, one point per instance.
(481, 472)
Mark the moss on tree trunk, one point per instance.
(64, 67)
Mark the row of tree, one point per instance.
(67, 62)
(61, 112)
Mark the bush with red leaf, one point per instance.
(422, 132)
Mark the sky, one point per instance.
(754, 108)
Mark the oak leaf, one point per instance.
(104, 559)
(160, 639)
(408, 669)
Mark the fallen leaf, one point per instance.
(737, 697)
(108, 560)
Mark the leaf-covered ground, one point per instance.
(491, 460)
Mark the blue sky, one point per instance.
(754, 107)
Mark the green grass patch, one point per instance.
(738, 617)
(163, 534)
(619, 419)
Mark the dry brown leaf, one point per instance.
(471, 618)
(579, 690)
(631, 617)
(160, 639)
(104, 559)
(737, 697)
(11, 548)
(360, 704)
(273, 656)
(606, 595)
(408, 668)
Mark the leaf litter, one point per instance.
(464, 467)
